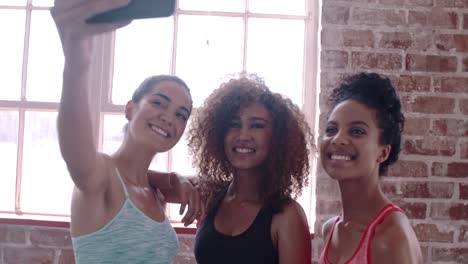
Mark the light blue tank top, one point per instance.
(130, 237)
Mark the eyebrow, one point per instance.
(165, 97)
(359, 123)
(352, 123)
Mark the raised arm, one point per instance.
(74, 123)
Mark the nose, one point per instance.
(340, 138)
(244, 134)
(166, 118)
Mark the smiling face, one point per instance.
(248, 138)
(160, 117)
(350, 147)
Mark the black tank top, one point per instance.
(252, 246)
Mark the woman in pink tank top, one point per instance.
(361, 139)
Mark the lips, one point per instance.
(160, 131)
(243, 150)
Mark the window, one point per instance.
(204, 43)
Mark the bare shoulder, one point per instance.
(327, 226)
(291, 234)
(395, 241)
(293, 211)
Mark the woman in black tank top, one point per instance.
(252, 149)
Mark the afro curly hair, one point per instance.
(287, 165)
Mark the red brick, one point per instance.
(327, 189)
(463, 191)
(431, 233)
(334, 59)
(463, 234)
(431, 63)
(416, 126)
(422, 41)
(50, 237)
(335, 15)
(452, 3)
(450, 127)
(464, 150)
(433, 19)
(429, 104)
(452, 85)
(465, 65)
(16, 255)
(414, 210)
(395, 40)
(330, 80)
(378, 17)
(456, 42)
(66, 257)
(463, 105)
(389, 188)
(412, 83)
(424, 3)
(449, 211)
(392, 2)
(382, 61)
(450, 255)
(427, 190)
(328, 207)
(186, 244)
(347, 38)
(430, 146)
(453, 169)
(12, 234)
(407, 168)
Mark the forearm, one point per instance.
(74, 122)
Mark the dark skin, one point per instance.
(351, 154)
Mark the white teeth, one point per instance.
(340, 157)
(243, 150)
(159, 131)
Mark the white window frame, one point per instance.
(101, 82)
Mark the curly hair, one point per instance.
(377, 93)
(287, 165)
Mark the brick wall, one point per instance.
(26, 244)
(423, 46)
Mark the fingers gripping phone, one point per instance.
(136, 9)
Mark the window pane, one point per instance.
(181, 160)
(290, 7)
(46, 184)
(46, 60)
(266, 56)
(13, 3)
(113, 135)
(11, 53)
(208, 49)
(213, 5)
(142, 49)
(43, 2)
(8, 152)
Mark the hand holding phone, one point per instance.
(136, 9)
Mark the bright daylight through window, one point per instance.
(204, 43)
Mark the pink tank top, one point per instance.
(362, 254)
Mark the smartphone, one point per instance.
(136, 9)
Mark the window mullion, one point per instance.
(19, 160)
(310, 93)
